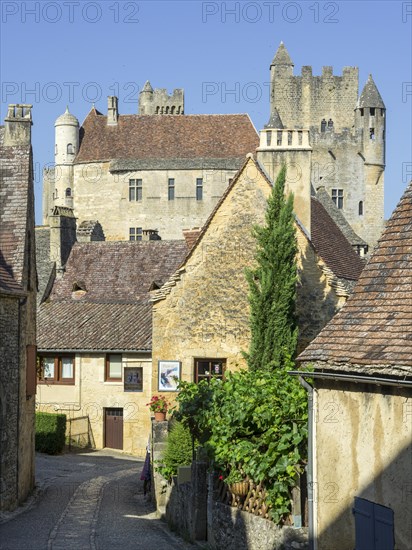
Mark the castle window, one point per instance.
(135, 190)
(372, 111)
(337, 197)
(268, 137)
(68, 192)
(300, 137)
(323, 125)
(167, 110)
(199, 189)
(157, 110)
(70, 150)
(383, 134)
(55, 149)
(382, 112)
(289, 137)
(135, 234)
(372, 133)
(362, 112)
(171, 190)
(279, 137)
(360, 208)
(172, 110)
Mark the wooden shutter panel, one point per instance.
(31, 354)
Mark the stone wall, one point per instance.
(110, 205)
(365, 434)
(206, 314)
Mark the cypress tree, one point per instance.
(272, 284)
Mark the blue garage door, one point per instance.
(373, 526)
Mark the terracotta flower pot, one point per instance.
(240, 488)
(160, 416)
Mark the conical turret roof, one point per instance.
(66, 118)
(147, 87)
(275, 121)
(282, 56)
(370, 96)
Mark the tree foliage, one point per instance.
(272, 284)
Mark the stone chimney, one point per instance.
(112, 110)
(18, 125)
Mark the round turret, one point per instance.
(66, 138)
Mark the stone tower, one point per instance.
(278, 146)
(347, 147)
(58, 181)
(158, 102)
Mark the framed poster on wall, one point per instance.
(133, 379)
(169, 375)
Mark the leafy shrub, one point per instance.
(50, 432)
(179, 450)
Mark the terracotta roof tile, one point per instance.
(331, 244)
(166, 137)
(111, 309)
(374, 327)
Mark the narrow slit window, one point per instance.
(199, 189)
(268, 137)
(360, 208)
(300, 137)
(289, 137)
(279, 137)
(372, 111)
(171, 189)
(372, 133)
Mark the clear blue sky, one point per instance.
(58, 53)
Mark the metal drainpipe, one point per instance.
(311, 469)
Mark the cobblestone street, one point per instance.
(87, 501)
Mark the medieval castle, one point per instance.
(154, 174)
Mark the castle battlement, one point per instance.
(284, 139)
(159, 102)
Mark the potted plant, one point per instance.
(158, 405)
(237, 482)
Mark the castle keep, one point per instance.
(330, 137)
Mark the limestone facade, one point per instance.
(203, 311)
(91, 395)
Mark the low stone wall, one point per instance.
(232, 529)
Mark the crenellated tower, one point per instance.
(158, 102)
(346, 136)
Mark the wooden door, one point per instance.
(113, 428)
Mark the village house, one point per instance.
(361, 417)
(17, 309)
(201, 315)
(94, 341)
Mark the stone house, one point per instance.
(94, 339)
(201, 315)
(17, 309)
(361, 421)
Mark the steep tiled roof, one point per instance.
(339, 219)
(166, 137)
(15, 200)
(370, 96)
(331, 244)
(102, 301)
(374, 327)
(90, 326)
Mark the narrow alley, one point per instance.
(88, 501)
